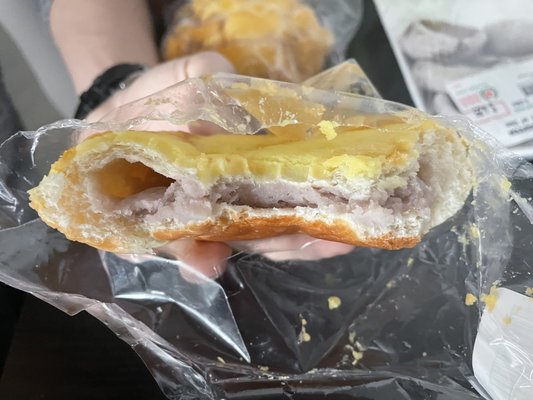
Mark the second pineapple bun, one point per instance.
(275, 39)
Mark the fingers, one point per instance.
(198, 260)
(205, 63)
(174, 71)
(315, 250)
(163, 76)
(295, 247)
(202, 260)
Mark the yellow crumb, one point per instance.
(334, 302)
(351, 336)
(410, 261)
(463, 239)
(328, 129)
(489, 299)
(507, 320)
(470, 299)
(221, 360)
(529, 291)
(474, 231)
(359, 346)
(304, 336)
(357, 355)
(390, 284)
(505, 185)
(263, 368)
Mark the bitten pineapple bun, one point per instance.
(382, 186)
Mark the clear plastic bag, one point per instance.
(371, 324)
(289, 40)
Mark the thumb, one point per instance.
(174, 71)
(162, 76)
(207, 259)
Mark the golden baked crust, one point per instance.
(73, 230)
(242, 226)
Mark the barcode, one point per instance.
(528, 89)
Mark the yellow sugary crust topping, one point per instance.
(351, 153)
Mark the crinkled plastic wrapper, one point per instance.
(371, 324)
(288, 40)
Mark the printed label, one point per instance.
(499, 100)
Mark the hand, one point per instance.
(163, 76)
(293, 247)
(210, 258)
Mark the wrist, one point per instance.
(114, 79)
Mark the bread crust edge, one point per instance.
(245, 227)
